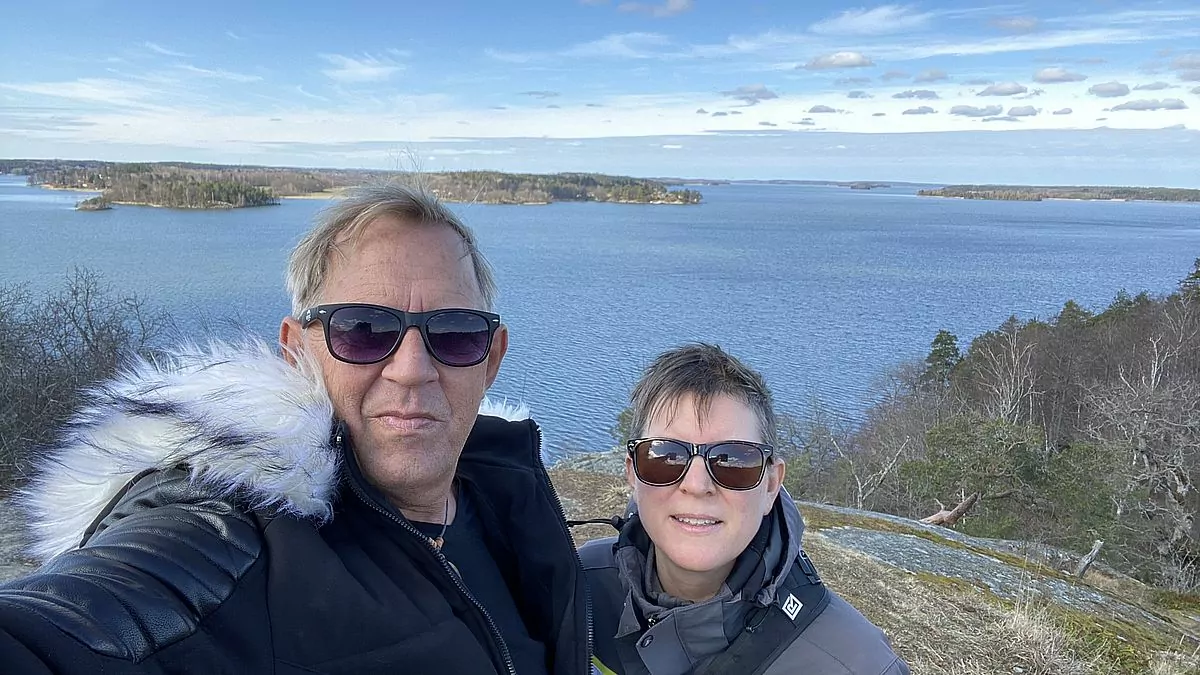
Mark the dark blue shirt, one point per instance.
(466, 549)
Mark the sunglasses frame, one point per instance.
(418, 320)
(701, 450)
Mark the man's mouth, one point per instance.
(406, 421)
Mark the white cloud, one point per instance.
(893, 75)
(159, 49)
(1016, 24)
(1109, 90)
(667, 9)
(355, 70)
(233, 36)
(933, 75)
(839, 60)
(1152, 104)
(880, 20)
(858, 94)
(1189, 75)
(1040, 41)
(752, 94)
(1196, 91)
(1004, 89)
(923, 110)
(219, 74)
(90, 90)
(973, 111)
(1023, 111)
(620, 45)
(1054, 75)
(920, 94)
(1154, 86)
(823, 109)
(1063, 111)
(510, 57)
(1186, 62)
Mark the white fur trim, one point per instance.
(512, 412)
(238, 415)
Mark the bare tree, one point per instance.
(55, 347)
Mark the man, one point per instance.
(352, 510)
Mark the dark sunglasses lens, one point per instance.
(660, 462)
(736, 466)
(459, 338)
(363, 334)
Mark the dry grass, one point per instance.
(1175, 663)
(942, 626)
(585, 495)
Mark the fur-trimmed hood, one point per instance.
(236, 415)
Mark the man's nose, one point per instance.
(411, 363)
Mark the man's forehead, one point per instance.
(389, 249)
(388, 233)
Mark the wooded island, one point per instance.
(1029, 193)
(212, 186)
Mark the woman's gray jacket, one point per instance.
(773, 616)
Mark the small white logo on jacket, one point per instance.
(792, 607)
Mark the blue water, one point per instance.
(823, 289)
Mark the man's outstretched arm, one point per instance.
(174, 588)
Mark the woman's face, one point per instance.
(699, 527)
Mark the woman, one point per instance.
(707, 574)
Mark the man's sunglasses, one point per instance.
(734, 465)
(361, 334)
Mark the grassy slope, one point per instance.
(943, 625)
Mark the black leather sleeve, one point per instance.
(154, 589)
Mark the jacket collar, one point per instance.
(235, 415)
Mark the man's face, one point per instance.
(408, 415)
(696, 525)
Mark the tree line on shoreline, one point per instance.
(1071, 430)
(182, 185)
(1026, 193)
(1068, 430)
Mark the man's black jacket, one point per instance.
(234, 539)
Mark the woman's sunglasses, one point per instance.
(361, 334)
(734, 465)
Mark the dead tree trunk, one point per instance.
(1088, 559)
(950, 517)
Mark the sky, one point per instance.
(1087, 91)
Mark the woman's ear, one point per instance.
(775, 472)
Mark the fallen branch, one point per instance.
(948, 518)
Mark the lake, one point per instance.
(822, 288)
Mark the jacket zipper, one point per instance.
(508, 663)
(587, 592)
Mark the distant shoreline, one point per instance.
(203, 186)
(1031, 193)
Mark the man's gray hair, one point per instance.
(344, 222)
(704, 371)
